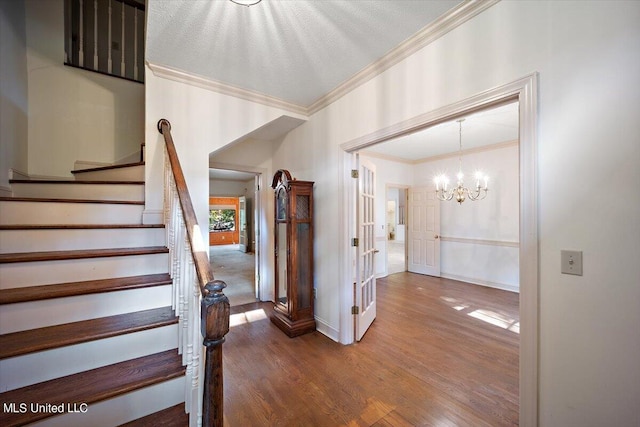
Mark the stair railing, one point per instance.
(194, 287)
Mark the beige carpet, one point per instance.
(237, 270)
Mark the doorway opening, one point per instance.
(525, 92)
(234, 233)
(396, 228)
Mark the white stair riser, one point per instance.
(36, 314)
(71, 239)
(131, 173)
(22, 274)
(129, 192)
(38, 213)
(41, 366)
(122, 409)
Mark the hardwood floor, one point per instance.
(434, 356)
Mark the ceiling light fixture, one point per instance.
(245, 2)
(460, 192)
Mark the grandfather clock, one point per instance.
(293, 309)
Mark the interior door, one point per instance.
(242, 219)
(365, 289)
(424, 231)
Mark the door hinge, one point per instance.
(355, 242)
(355, 310)
(355, 173)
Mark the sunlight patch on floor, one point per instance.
(485, 315)
(455, 304)
(247, 317)
(496, 319)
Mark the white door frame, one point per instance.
(525, 91)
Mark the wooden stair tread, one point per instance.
(60, 290)
(104, 168)
(33, 340)
(70, 181)
(75, 226)
(40, 199)
(94, 385)
(79, 254)
(174, 416)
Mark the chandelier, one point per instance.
(245, 2)
(460, 192)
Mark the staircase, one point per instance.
(88, 336)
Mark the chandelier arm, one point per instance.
(445, 196)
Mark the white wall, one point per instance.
(203, 121)
(494, 219)
(588, 155)
(222, 188)
(74, 114)
(13, 91)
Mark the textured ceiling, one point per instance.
(493, 126)
(294, 50)
(299, 51)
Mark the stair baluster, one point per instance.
(202, 307)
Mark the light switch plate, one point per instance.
(571, 262)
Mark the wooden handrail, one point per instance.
(200, 259)
(214, 308)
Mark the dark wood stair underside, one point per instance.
(80, 254)
(175, 416)
(104, 168)
(47, 338)
(94, 385)
(60, 290)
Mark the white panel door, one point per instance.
(424, 231)
(365, 298)
(242, 214)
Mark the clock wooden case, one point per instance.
(293, 309)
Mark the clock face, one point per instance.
(282, 204)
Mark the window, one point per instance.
(106, 36)
(222, 220)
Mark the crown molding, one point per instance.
(389, 157)
(181, 76)
(505, 243)
(455, 17)
(474, 150)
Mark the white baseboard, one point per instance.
(152, 216)
(16, 174)
(129, 158)
(87, 164)
(323, 327)
(487, 283)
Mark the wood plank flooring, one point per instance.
(440, 353)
